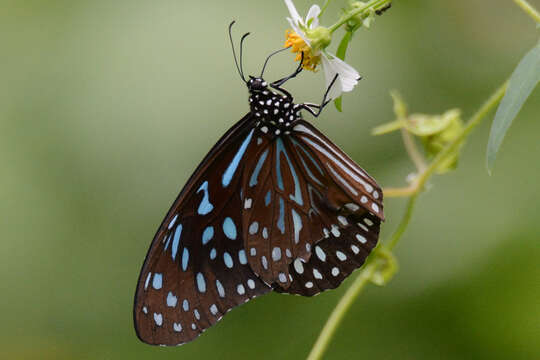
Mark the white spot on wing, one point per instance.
(361, 238)
(320, 253)
(298, 266)
(276, 254)
(171, 299)
(240, 289)
(158, 319)
(341, 256)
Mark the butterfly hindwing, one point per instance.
(196, 269)
(275, 207)
(302, 191)
(352, 180)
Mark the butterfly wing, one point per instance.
(350, 205)
(196, 268)
(311, 215)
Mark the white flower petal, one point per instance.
(299, 31)
(347, 75)
(292, 10)
(329, 74)
(313, 13)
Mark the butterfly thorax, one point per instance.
(274, 112)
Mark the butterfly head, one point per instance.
(256, 84)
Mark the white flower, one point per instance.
(347, 76)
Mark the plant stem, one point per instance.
(323, 9)
(529, 9)
(399, 192)
(370, 268)
(412, 150)
(370, 5)
(340, 310)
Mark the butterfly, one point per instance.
(274, 206)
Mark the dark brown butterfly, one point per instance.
(275, 205)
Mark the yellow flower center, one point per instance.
(299, 46)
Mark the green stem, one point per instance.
(404, 223)
(529, 9)
(413, 151)
(340, 310)
(348, 16)
(370, 268)
(323, 9)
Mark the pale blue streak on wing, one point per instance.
(229, 173)
(207, 235)
(311, 175)
(229, 228)
(281, 219)
(297, 222)
(201, 283)
(205, 207)
(267, 198)
(176, 241)
(258, 167)
(185, 259)
(167, 242)
(157, 282)
(297, 190)
(308, 155)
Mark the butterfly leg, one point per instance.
(309, 107)
(277, 84)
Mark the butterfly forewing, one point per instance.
(196, 269)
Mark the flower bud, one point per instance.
(320, 37)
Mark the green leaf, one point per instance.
(337, 103)
(341, 52)
(343, 45)
(389, 127)
(426, 125)
(522, 82)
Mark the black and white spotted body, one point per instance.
(275, 113)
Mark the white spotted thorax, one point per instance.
(275, 113)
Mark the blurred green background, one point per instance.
(106, 107)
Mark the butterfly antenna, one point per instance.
(269, 56)
(242, 54)
(234, 51)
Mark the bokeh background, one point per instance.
(106, 107)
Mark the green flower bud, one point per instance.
(426, 125)
(434, 131)
(449, 127)
(364, 18)
(320, 37)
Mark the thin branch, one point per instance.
(373, 4)
(340, 310)
(399, 192)
(529, 9)
(413, 151)
(371, 267)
